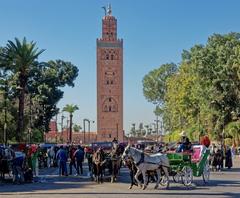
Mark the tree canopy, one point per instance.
(36, 85)
(203, 95)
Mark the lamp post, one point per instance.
(84, 129)
(67, 131)
(157, 121)
(223, 113)
(62, 118)
(199, 124)
(5, 114)
(117, 130)
(30, 120)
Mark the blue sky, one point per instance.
(154, 32)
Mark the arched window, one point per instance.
(112, 57)
(105, 108)
(110, 105)
(107, 56)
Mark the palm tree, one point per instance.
(19, 58)
(70, 109)
(233, 130)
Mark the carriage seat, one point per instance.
(198, 151)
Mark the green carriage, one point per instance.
(183, 166)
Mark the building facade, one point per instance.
(109, 81)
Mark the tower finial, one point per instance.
(105, 10)
(109, 10)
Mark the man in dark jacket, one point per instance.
(62, 157)
(79, 156)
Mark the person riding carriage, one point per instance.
(185, 144)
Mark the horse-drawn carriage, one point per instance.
(106, 162)
(183, 166)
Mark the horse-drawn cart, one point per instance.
(106, 164)
(183, 166)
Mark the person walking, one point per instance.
(62, 157)
(79, 156)
(228, 159)
(72, 159)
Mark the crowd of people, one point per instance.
(69, 159)
(25, 163)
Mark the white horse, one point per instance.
(144, 162)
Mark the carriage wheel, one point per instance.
(187, 176)
(206, 173)
(176, 177)
(164, 180)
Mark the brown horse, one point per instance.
(115, 157)
(98, 165)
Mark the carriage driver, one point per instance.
(185, 144)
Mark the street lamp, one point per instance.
(30, 119)
(117, 130)
(223, 113)
(157, 121)
(68, 131)
(5, 114)
(84, 129)
(62, 118)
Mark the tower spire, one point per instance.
(109, 10)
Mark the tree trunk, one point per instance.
(20, 114)
(22, 79)
(70, 135)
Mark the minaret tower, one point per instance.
(109, 81)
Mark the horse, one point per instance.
(6, 155)
(133, 170)
(98, 164)
(144, 162)
(115, 162)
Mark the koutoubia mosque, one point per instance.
(109, 60)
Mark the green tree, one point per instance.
(19, 57)
(154, 83)
(232, 130)
(70, 109)
(76, 128)
(45, 88)
(217, 65)
(205, 91)
(42, 89)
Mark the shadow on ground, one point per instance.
(54, 185)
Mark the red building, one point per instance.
(63, 137)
